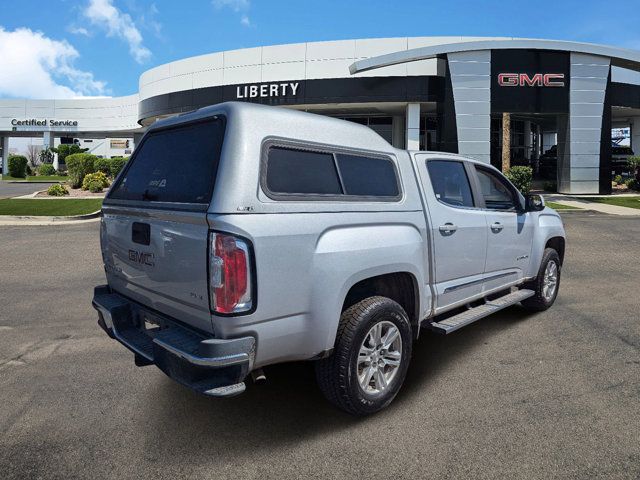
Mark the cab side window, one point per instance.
(450, 182)
(497, 195)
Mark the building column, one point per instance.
(634, 123)
(137, 137)
(5, 155)
(527, 140)
(412, 134)
(471, 84)
(47, 142)
(579, 161)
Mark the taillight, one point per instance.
(230, 274)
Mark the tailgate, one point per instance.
(154, 229)
(159, 258)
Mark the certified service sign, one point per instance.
(34, 122)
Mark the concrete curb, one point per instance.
(11, 220)
(33, 181)
(67, 197)
(29, 195)
(577, 210)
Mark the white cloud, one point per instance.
(35, 66)
(238, 6)
(235, 5)
(78, 30)
(147, 20)
(105, 15)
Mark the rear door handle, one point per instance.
(496, 227)
(448, 228)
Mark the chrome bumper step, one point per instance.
(463, 319)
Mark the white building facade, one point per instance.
(436, 93)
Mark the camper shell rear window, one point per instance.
(177, 164)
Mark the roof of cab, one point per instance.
(265, 120)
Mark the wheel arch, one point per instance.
(558, 244)
(400, 286)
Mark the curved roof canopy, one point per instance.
(620, 57)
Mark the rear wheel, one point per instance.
(370, 359)
(546, 284)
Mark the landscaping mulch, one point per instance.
(74, 193)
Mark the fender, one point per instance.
(548, 225)
(347, 255)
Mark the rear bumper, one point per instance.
(215, 367)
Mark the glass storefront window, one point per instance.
(382, 125)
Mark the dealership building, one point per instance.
(427, 93)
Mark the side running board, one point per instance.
(463, 319)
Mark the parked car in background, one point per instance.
(240, 236)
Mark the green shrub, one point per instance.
(18, 166)
(79, 165)
(617, 179)
(92, 184)
(117, 164)
(46, 155)
(46, 169)
(102, 165)
(29, 171)
(633, 163)
(65, 150)
(550, 186)
(57, 190)
(521, 177)
(95, 182)
(632, 184)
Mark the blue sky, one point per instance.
(65, 48)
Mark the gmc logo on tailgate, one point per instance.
(537, 80)
(142, 258)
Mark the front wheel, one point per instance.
(546, 284)
(370, 358)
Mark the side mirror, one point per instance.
(534, 203)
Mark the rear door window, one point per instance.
(175, 165)
(450, 182)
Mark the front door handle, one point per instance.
(496, 227)
(448, 228)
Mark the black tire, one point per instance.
(337, 375)
(539, 302)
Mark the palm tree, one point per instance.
(506, 141)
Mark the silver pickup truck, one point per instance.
(240, 236)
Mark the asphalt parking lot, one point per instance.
(14, 189)
(550, 395)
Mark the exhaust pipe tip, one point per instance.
(258, 376)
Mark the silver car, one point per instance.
(240, 236)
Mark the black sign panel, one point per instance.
(301, 92)
(529, 81)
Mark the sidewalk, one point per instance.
(581, 201)
(14, 221)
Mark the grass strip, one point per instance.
(49, 207)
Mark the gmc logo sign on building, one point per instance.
(537, 80)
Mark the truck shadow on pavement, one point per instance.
(288, 407)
